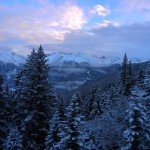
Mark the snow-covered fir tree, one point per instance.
(126, 76)
(13, 140)
(87, 138)
(141, 77)
(93, 108)
(36, 94)
(124, 70)
(57, 126)
(108, 98)
(71, 139)
(61, 107)
(55, 132)
(19, 112)
(130, 77)
(137, 134)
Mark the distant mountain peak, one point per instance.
(9, 56)
(66, 58)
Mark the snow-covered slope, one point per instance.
(11, 57)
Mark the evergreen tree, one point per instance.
(137, 132)
(55, 132)
(124, 70)
(141, 77)
(126, 76)
(13, 140)
(3, 114)
(61, 108)
(7, 97)
(36, 95)
(130, 77)
(71, 139)
(56, 125)
(147, 81)
(108, 98)
(93, 106)
(6, 93)
(19, 106)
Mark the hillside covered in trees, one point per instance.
(34, 117)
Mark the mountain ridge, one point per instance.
(68, 59)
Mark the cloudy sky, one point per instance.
(96, 27)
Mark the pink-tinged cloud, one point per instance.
(100, 10)
(65, 16)
(53, 24)
(73, 18)
(47, 24)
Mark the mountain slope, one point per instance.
(11, 57)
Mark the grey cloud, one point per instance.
(133, 39)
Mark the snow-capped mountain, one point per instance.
(67, 59)
(73, 59)
(11, 57)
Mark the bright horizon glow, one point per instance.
(97, 27)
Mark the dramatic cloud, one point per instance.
(93, 27)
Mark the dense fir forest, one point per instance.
(34, 117)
